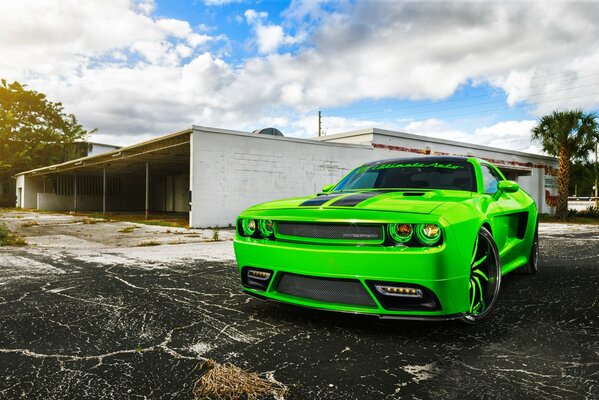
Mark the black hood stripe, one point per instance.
(319, 200)
(355, 199)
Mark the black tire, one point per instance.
(532, 266)
(485, 278)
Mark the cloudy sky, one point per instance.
(475, 71)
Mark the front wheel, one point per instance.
(485, 277)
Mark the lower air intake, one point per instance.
(328, 290)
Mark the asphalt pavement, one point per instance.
(72, 328)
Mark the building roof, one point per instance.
(405, 135)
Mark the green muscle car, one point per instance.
(412, 238)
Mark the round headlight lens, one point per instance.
(248, 226)
(267, 227)
(401, 233)
(428, 234)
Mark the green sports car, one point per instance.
(412, 238)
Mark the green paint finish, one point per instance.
(447, 270)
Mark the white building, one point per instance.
(213, 174)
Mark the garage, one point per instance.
(206, 176)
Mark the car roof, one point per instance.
(424, 160)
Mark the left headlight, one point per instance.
(266, 227)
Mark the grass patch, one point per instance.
(572, 219)
(228, 382)
(7, 238)
(149, 244)
(128, 229)
(29, 224)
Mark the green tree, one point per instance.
(35, 132)
(569, 135)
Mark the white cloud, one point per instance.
(513, 135)
(269, 37)
(77, 52)
(220, 2)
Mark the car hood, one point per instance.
(410, 201)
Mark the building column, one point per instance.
(147, 187)
(104, 191)
(75, 193)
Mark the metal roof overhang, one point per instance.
(519, 170)
(165, 154)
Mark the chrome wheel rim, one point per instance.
(485, 278)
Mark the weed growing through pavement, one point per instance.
(7, 238)
(215, 237)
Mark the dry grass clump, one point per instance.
(29, 224)
(90, 221)
(128, 229)
(228, 382)
(149, 244)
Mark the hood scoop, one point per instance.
(414, 194)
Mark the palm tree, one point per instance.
(568, 135)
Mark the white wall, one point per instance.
(232, 171)
(20, 187)
(27, 189)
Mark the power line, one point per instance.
(492, 109)
(477, 104)
(345, 112)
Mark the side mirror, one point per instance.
(328, 188)
(508, 186)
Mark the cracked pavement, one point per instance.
(86, 313)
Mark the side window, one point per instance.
(490, 179)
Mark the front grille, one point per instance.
(359, 233)
(328, 290)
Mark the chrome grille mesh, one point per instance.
(332, 231)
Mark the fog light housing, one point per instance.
(248, 227)
(401, 233)
(399, 291)
(260, 275)
(428, 234)
(256, 278)
(266, 227)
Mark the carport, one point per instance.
(150, 177)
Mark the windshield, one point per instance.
(411, 175)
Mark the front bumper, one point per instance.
(440, 270)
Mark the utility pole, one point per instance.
(319, 123)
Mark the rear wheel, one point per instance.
(485, 277)
(532, 267)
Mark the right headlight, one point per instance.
(248, 227)
(428, 234)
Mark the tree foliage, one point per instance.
(34, 131)
(569, 135)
